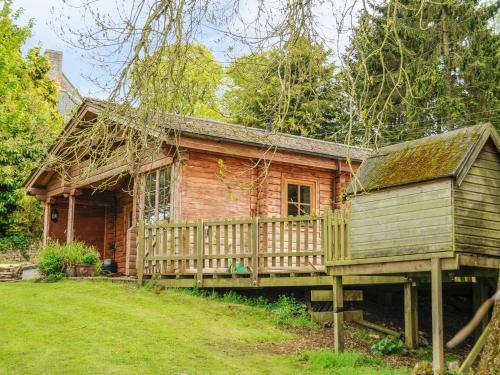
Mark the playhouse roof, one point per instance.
(443, 155)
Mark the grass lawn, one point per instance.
(97, 327)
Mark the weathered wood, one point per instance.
(377, 327)
(338, 313)
(437, 316)
(479, 295)
(476, 349)
(326, 317)
(327, 295)
(410, 316)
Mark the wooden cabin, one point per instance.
(209, 216)
(212, 175)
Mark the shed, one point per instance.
(432, 195)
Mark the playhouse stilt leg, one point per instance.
(338, 314)
(410, 310)
(437, 316)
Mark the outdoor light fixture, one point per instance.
(54, 215)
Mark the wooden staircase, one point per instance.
(321, 301)
(10, 272)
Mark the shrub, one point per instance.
(56, 258)
(388, 345)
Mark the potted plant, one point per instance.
(75, 260)
(88, 265)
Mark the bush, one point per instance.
(56, 259)
(388, 345)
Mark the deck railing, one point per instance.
(249, 246)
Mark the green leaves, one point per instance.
(29, 119)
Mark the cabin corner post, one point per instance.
(437, 316)
(410, 315)
(140, 252)
(338, 314)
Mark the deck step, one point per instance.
(327, 316)
(327, 295)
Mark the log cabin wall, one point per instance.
(124, 206)
(216, 186)
(88, 227)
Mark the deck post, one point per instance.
(437, 316)
(200, 250)
(338, 314)
(140, 252)
(71, 218)
(411, 315)
(46, 219)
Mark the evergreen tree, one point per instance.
(425, 67)
(293, 88)
(29, 119)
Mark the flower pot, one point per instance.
(85, 270)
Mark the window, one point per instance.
(299, 198)
(157, 195)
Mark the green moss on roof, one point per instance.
(423, 159)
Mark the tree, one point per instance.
(29, 120)
(425, 67)
(187, 87)
(293, 88)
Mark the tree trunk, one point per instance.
(490, 358)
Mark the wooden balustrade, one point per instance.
(246, 246)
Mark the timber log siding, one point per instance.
(430, 217)
(477, 205)
(406, 220)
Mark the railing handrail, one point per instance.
(329, 239)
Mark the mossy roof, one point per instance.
(436, 156)
(203, 128)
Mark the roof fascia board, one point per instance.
(472, 155)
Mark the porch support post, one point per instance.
(411, 315)
(338, 314)
(71, 219)
(46, 219)
(437, 316)
(71, 215)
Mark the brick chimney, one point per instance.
(55, 58)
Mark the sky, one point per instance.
(77, 67)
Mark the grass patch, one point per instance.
(74, 327)
(286, 310)
(328, 362)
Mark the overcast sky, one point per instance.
(76, 67)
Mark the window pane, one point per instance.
(305, 209)
(292, 209)
(305, 194)
(293, 193)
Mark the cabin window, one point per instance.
(157, 195)
(299, 198)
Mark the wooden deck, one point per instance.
(249, 252)
(276, 252)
